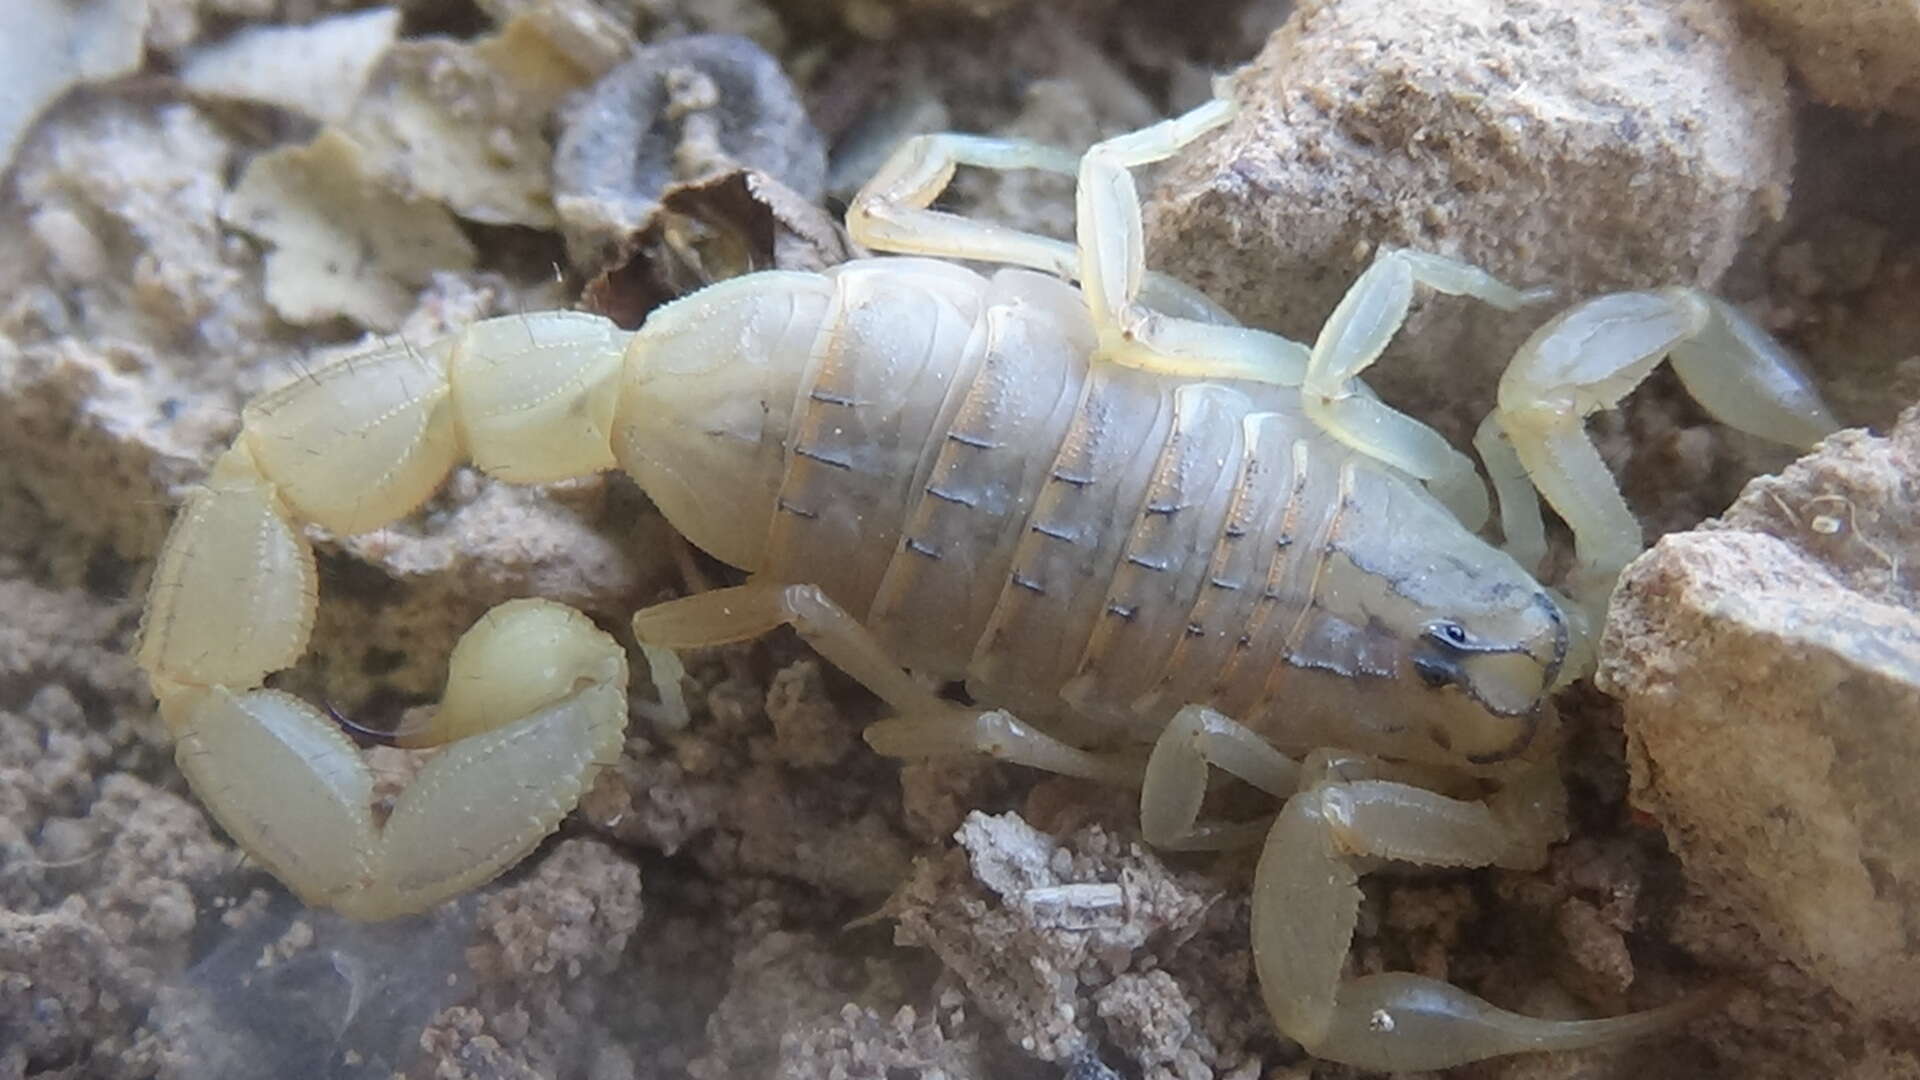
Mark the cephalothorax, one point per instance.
(1119, 517)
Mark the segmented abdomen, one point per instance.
(1062, 534)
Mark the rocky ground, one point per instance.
(199, 199)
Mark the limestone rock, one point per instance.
(1589, 145)
(1770, 666)
(1863, 54)
(52, 46)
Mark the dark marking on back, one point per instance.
(829, 398)
(1053, 531)
(919, 548)
(1194, 629)
(974, 441)
(947, 496)
(1155, 565)
(1235, 532)
(1167, 509)
(1230, 586)
(1070, 478)
(823, 458)
(1125, 611)
(797, 511)
(1029, 584)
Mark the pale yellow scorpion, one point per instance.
(1112, 512)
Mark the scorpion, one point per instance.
(1119, 517)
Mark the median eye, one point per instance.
(1451, 633)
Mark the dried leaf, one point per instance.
(711, 230)
(317, 70)
(51, 46)
(344, 244)
(463, 123)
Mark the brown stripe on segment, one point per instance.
(702, 423)
(1094, 490)
(1236, 565)
(1287, 593)
(1350, 628)
(792, 499)
(880, 372)
(1320, 549)
(986, 462)
(959, 390)
(1321, 639)
(1153, 590)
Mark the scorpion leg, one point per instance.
(1176, 328)
(1176, 780)
(1520, 521)
(1592, 355)
(926, 725)
(1355, 335)
(891, 213)
(1138, 325)
(1342, 814)
(1306, 902)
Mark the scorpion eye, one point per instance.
(1448, 632)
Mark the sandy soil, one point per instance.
(260, 182)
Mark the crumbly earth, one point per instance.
(754, 893)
